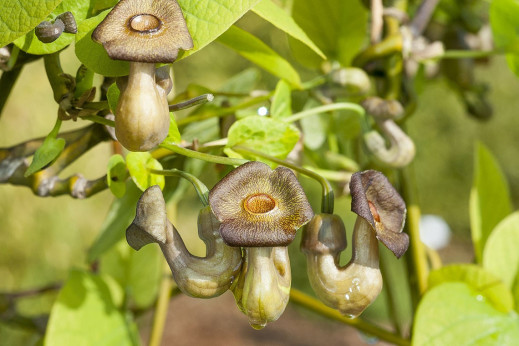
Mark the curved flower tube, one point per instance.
(199, 277)
(401, 150)
(263, 288)
(381, 214)
(349, 289)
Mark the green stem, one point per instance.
(201, 189)
(203, 156)
(390, 45)
(326, 108)
(418, 254)
(313, 304)
(224, 111)
(199, 100)
(463, 54)
(57, 79)
(327, 194)
(161, 308)
(99, 120)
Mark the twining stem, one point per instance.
(418, 254)
(57, 79)
(201, 189)
(326, 108)
(99, 120)
(327, 195)
(224, 111)
(203, 156)
(313, 304)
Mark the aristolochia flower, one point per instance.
(258, 206)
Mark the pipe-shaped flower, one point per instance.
(258, 206)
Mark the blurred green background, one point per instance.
(42, 238)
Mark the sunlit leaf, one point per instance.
(116, 175)
(267, 135)
(500, 255)
(455, 314)
(32, 45)
(17, 17)
(47, 152)
(489, 198)
(139, 165)
(479, 279)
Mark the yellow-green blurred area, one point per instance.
(42, 238)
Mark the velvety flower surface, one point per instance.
(258, 206)
(377, 201)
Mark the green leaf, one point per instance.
(272, 13)
(86, 313)
(253, 49)
(137, 272)
(454, 314)
(263, 134)
(500, 255)
(120, 216)
(337, 27)
(93, 55)
(48, 152)
(173, 133)
(480, 280)
(17, 17)
(489, 198)
(139, 165)
(208, 19)
(112, 94)
(32, 45)
(504, 21)
(116, 175)
(282, 102)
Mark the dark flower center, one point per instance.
(145, 23)
(259, 203)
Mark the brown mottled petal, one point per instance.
(275, 227)
(144, 30)
(374, 199)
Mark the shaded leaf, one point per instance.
(253, 49)
(278, 17)
(112, 94)
(489, 198)
(337, 27)
(120, 216)
(86, 313)
(137, 272)
(281, 103)
(93, 55)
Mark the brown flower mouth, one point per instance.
(145, 23)
(259, 203)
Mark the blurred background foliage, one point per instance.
(42, 238)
